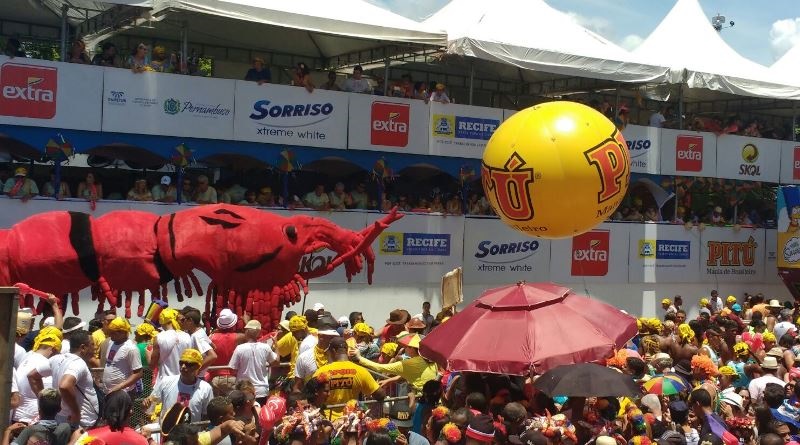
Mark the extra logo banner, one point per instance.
(597, 256)
(688, 153)
(387, 124)
(51, 94)
(460, 130)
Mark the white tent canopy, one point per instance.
(532, 35)
(788, 66)
(687, 43)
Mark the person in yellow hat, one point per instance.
(416, 370)
(34, 373)
(169, 344)
(667, 305)
(186, 389)
(364, 341)
(120, 358)
(20, 186)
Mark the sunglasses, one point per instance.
(187, 364)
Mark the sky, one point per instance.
(763, 31)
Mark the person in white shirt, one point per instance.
(73, 379)
(185, 389)
(71, 324)
(657, 119)
(35, 374)
(716, 302)
(169, 344)
(190, 320)
(251, 360)
(309, 361)
(120, 358)
(757, 385)
(356, 83)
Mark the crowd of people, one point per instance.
(733, 374)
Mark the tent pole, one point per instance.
(616, 102)
(794, 121)
(184, 48)
(680, 107)
(64, 31)
(471, 80)
(386, 70)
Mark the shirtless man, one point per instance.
(685, 346)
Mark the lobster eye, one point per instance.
(291, 233)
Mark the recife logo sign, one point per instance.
(432, 244)
(28, 91)
(463, 127)
(665, 249)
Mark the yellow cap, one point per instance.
(731, 299)
(192, 356)
(48, 336)
(298, 323)
(666, 301)
(119, 324)
(362, 329)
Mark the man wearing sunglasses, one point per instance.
(185, 389)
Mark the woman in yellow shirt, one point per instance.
(416, 370)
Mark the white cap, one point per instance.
(49, 321)
(226, 319)
(343, 320)
(319, 306)
(166, 180)
(419, 317)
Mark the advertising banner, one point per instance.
(496, 254)
(461, 130)
(355, 221)
(788, 239)
(387, 124)
(661, 253)
(728, 255)
(643, 144)
(688, 153)
(167, 104)
(418, 249)
(280, 114)
(750, 159)
(597, 256)
(790, 162)
(50, 94)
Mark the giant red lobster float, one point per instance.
(250, 255)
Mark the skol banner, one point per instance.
(789, 227)
(688, 153)
(597, 256)
(418, 249)
(643, 145)
(461, 130)
(50, 94)
(280, 114)
(496, 254)
(747, 158)
(661, 253)
(728, 255)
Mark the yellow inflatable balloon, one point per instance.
(556, 170)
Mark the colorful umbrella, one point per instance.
(410, 340)
(678, 378)
(664, 386)
(526, 328)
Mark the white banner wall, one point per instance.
(790, 162)
(388, 124)
(597, 256)
(167, 104)
(280, 114)
(643, 144)
(688, 153)
(50, 94)
(771, 255)
(496, 254)
(508, 113)
(418, 249)
(728, 255)
(661, 253)
(749, 159)
(461, 130)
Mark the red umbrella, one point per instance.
(528, 327)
